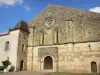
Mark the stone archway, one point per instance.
(48, 63)
(46, 53)
(93, 67)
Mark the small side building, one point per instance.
(13, 46)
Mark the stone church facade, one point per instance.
(58, 39)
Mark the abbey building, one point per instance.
(58, 39)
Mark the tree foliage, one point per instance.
(6, 63)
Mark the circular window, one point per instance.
(49, 22)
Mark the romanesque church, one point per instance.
(58, 39)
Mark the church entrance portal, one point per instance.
(48, 63)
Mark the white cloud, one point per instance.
(3, 33)
(10, 2)
(27, 7)
(95, 9)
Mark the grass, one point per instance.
(64, 73)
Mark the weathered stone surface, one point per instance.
(69, 36)
(52, 51)
(74, 25)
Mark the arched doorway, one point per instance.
(93, 67)
(21, 65)
(48, 63)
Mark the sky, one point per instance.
(12, 11)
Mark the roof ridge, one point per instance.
(72, 8)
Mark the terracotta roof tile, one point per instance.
(21, 25)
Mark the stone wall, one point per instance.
(71, 57)
(78, 37)
(71, 22)
(22, 54)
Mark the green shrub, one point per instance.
(6, 63)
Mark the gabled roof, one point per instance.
(85, 24)
(22, 25)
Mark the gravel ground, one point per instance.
(23, 73)
(43, 73)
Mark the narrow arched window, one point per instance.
(7, 45)
(22, 46)
(69, 25)
(56, 36)
(41, 39)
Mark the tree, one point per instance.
(6, 63)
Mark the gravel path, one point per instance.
(23, 73)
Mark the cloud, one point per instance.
(95, 9)
(2, 33)
(10, 2)
(27, 7)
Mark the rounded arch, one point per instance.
(21, 65)
(44, 56)
(93, 67)
(48, 63)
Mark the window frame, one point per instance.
(7, 46)
(22, 47)
(41, 39)
(56, 37)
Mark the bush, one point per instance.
(6, 63)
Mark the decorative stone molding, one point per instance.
(49, 21)
(48, 51)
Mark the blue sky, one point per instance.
(12, 11)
